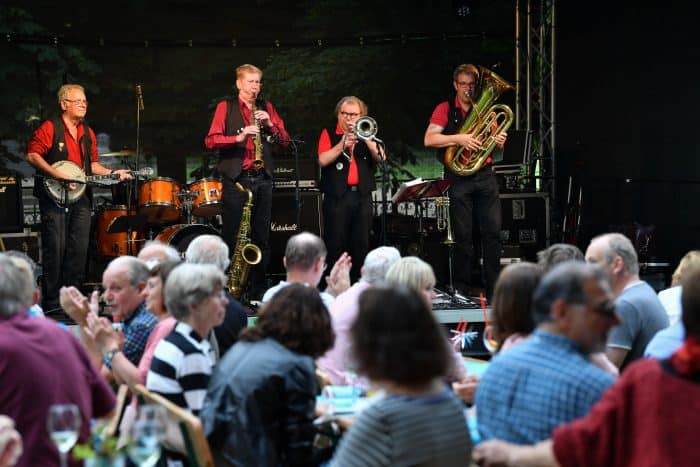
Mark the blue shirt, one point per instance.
(666, 342)
(137, 328)
(534, 387)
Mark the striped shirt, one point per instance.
(402, 431)
(181, 366)
(536, 386)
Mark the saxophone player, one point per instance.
(242, 131)
(477, 192)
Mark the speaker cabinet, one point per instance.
(284, 222)
(525, 223)
(11, 212)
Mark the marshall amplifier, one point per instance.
(11, 211)
(285, 171)
(284, 222)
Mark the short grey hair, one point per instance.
(191, 284)
(165, 251)
(137, 269)
(208, 249)
(619, 245)
(377, 263)
(16, 286)
(558, 253)
(63, 91)
(565, 281)
(411, 272)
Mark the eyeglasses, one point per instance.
(349, 115)
(465, 84)
(76, 101)
(606, 308)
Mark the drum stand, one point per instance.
(186, 196)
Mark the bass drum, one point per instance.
(179, 236)
(115, 244)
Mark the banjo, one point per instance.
(56, 188)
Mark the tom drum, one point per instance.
(207, 197)
(158, 200)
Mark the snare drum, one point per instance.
(158, 200)
(114, 244)
(207, 201)
(179, 236)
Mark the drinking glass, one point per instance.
(146, 435)
(63, 424)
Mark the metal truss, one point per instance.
(535, 46)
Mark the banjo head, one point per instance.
(55, 188)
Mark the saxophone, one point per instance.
(245, 254)
(258, 162)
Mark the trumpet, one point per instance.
(365, 128)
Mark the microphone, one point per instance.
(139, 96)
(272, 138)
(275, 138)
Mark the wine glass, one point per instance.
(63, 425)
(147, 432)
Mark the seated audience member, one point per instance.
(650, 416)
(182, 361)
(305, 261)
(668, 340)
(670, 298)
(400, 347)
(416, 274)
(124, 281)
(155, 251)
(641, 314)
(559, 253)
(511, 307)
(10, 442)
(211, 249)
(35, 310)
(42, 365)
(259, 407)
(549, 379)
(336, 361)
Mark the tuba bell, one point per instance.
(484, 123)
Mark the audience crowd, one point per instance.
(592, 366)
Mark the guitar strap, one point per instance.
(87, 144)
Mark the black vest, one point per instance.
(334, 176)
(454, 121)
(231, 159)
(59, 149)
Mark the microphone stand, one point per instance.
(382, 154)
(297, 194)
(135, 184)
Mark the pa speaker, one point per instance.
(284, 222)
(11, 215)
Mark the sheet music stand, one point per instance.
(420, 190)
(128, 224)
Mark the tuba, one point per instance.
(484, 123)
(245, 254)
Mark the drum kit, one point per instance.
(164, 210)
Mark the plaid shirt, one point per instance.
(137, 328)
(536, 386)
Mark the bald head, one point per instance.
(303, 251)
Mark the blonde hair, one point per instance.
(247, 68)
(411, 272)
(690, 261)
(354, 100)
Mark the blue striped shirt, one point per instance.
(534, 387)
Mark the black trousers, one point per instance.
(347, 221)
(65, 234)
(476, 194)
(233, 202)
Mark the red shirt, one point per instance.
(324, 144)
(217, 139)
(649, 417)
(441, 116)
(42, 140)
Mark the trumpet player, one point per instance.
(477, 192)
(246, 157)
(347, 180)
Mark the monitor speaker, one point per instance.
(11, 214)
(284, 222)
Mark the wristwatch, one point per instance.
(108, 356)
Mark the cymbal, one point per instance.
(122, 153)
